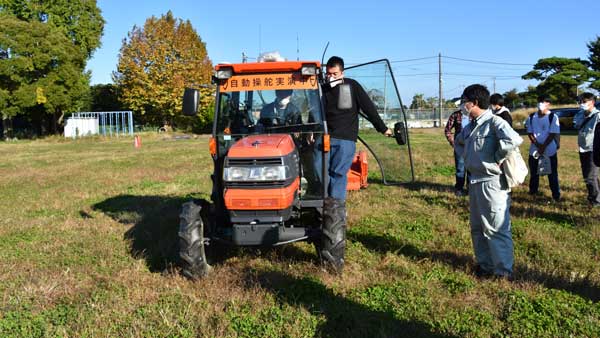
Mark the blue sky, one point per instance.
(514, 32)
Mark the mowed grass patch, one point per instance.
(88, 247)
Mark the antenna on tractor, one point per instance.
(325, 51)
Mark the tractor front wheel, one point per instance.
(332, 246)
(191, 241)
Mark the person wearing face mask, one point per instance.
(342, 125)
(281, 111)
(457, 121)
(585, 122)
(484, 144)
(543, 130)
(498, 108)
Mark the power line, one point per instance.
(453, 89)
(412, 65)
(485, 75)
(490, 62)
(487, 66)
(421, 74)
(354, 63)
(408, 60)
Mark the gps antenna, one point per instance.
(324, 51)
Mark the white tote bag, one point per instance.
(515, 169)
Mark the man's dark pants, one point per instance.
(534, 178)
(590, 176)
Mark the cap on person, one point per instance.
(283, 92)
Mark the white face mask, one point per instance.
(542, 106)
(284, 102)
(584, 106)
(463, 109)
(334, 82)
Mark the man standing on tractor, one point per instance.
(342, 125)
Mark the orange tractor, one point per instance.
(269, 147)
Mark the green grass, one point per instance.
(88, 248)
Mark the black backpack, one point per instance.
(550, 119)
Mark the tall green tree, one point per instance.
(594, 58)
(80, 20)
(156, 63)
(560, 77)
(529, 97)
(59, 80)
(105, 97)
(41, 73)
(511, 98)
(418, 101)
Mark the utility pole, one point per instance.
(440, 98)
(494, 85)
(244, 57)
(297, 47)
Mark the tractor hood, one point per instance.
(256, 146)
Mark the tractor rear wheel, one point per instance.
(332, 246)
(191, 241)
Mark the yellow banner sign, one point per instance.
(239, 83)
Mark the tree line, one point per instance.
(563, 79)
(45, 46)
(44, 49)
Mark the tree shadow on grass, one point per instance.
(154, 224)
(384, 243)
(343, 317)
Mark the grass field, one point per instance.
(88, 245)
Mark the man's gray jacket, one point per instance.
(586, 125)
(484, 144)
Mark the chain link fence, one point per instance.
(415, 118)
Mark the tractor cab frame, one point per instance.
(269, 147)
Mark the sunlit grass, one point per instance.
(88, 246)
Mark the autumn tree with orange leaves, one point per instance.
(156, 63)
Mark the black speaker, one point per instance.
(400, 133)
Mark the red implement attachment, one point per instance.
(357, 175)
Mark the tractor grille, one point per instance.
(268, 184)
(253, 161)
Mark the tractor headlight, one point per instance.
(249, 174)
